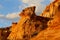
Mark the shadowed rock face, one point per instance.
(29, 25)
(4, 33)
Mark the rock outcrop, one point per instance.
(29, 25)
(33, 27)
(53, 30)
(4, 33)
(52, 11)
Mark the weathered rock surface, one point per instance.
(4, 33)
(29, 25)
(33, 27)
(53, 30)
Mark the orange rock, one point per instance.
(28, 26)
(33, 27)
(53, 30)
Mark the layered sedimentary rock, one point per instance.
(29, 25)
(33, 27)
(53, 30)
(52, 11)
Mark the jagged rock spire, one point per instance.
(28, 11)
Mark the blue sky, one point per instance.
(9, 9)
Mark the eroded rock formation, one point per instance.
(29, 25)
(53, 30)
(33, 27)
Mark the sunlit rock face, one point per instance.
(53, 30)
(52, 11)
(28, 26)
(33, 27)
(13, 25)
